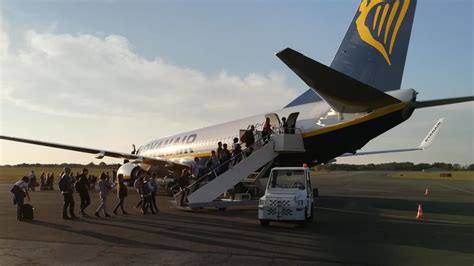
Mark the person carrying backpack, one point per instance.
(146, 195)
(138, 184)
(154, 189)
(20, 191)
(122, 193)
(66, 185)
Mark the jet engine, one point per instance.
(130, 172)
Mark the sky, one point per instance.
(106, 74)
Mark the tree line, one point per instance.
(90, 165)
(394, 166)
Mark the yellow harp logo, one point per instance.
(381, 32)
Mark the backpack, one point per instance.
(145, 188)
(63, 186)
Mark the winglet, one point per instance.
(428, 140)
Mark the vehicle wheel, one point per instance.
(264, 222)
(222, 209)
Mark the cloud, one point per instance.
(85, 76)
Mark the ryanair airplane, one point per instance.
(348, 104)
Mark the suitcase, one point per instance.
(27, 211)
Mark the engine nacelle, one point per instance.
(130, 172)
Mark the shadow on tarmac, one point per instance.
(196, 236)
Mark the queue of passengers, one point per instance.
(68, 184)
(146, 188)
(222, 158)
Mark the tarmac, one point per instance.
(362, 218)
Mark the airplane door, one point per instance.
(274, 119)
(291, 121)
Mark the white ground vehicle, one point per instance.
(288, 196)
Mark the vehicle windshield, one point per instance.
(287, 179)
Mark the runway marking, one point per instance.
(392, 216)
(458, 189)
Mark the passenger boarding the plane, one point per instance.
(224, 159)
(249, 139)
(183, 182)
(197, 169)
(236, 151)
(267, 130)
(219, 149)
(284, 125)
(212, 164)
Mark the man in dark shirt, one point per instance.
(249, 139)
(224, 159)
(82, 187)
(219, 149)
(66, 185)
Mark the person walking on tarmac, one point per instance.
(154, 189)
(20, 191)
(122, 193)
(32, 181)
(104, 188)
(138, 184)
(66, 185)
(82, 187)
(146, 194)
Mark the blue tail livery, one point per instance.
(375, 46)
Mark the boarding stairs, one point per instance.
(204, 193)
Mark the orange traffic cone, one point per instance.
(419, 215)
(427, 192)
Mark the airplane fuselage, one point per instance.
(327, 134)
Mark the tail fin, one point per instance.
(335, 88)
(375, 46)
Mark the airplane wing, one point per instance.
(341, 92)
(426, 143)
(99, 154)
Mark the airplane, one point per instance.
(354, 100)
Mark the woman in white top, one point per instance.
(19, 196)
